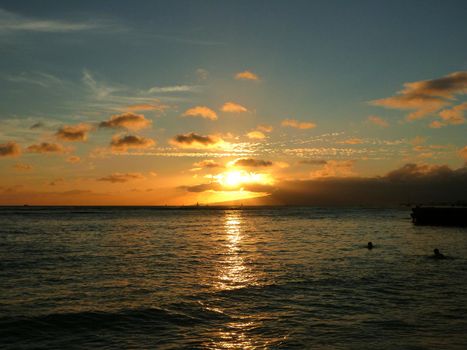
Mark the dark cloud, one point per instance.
(208, 163)
(46, 147)
(73, 132)
(122, 143)
(128, 120)
(410, 183)
(119, 177)
(37, 125)
(195, 140)
(313, 162)
(9, 149)
(252, 163)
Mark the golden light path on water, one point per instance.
(233, 273)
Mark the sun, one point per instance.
(237, 178)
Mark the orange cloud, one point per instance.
(264, 128)
(335, 168)
(46, 147)
(9, 149)
(73, 132)
(200, 111)
(255, 135)
(436, 124)
(122, 143)
(232, 107)
(463, 153)
(127, 120)
(246, 75)
(73, 159)
(120, 178)
(193, 140)
(22, 167)
(454, 115)
(378, 121)
(147, 107)
(298, 125)
(427, 96)
(353, 141)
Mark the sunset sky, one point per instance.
(178, 102)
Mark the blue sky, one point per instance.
(321, 62)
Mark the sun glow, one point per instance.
(237, 178)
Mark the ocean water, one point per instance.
(265, 278)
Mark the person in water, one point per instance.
(370, 245)
(438, 255)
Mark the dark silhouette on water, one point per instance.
(439, 216)
(438, 255)
(370, 245)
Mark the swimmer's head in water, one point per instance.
(436, 251)
(370, 245)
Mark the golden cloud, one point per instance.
(246, 75)
(23, 167)
(352, 141)
(232, 107)
(255, 135)
(298, 125)
(374, 119)
(147, 107)
(73, 159)
(427, 96)
(201, 111)
(264, 128)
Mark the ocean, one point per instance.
(262, 278)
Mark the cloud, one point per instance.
(411, 183)
(37, 125)
(313, 162)
(436, 124)
(23, 167)
(127, 120)
(208, 163)
(10, 149)
(374, 119)
(255, 135)
(74, 132)
(417, 141)
(232, 107)
(455, 115)
(264, 128)
(217, 187)
(100, 90)
(427, 96)
(251, 163)
(463, 153)
(46, 147)
(176, 88)
(120, 177)
(200, 111)
(246, 75)
(352, 141)
(202, 74)
(122, 143)
(298, 125)
(158, 107)
(335, 168)
(12, 22)
(73, 159)
(41, 79)
(194, 140)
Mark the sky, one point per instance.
(266, 102)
